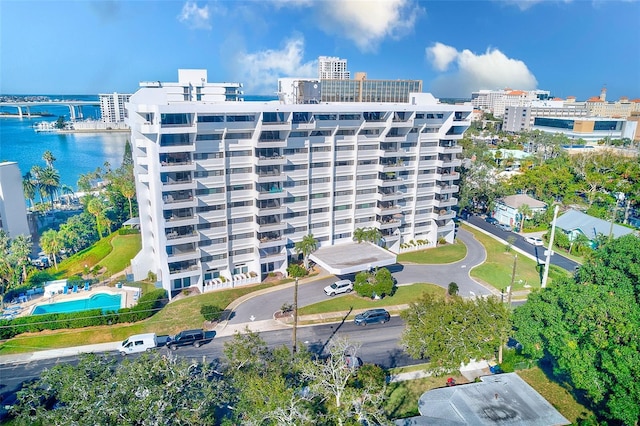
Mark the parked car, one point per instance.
(142, 342)
(342, 286)
(492, 221)
(196, 337)
(372, 316)
(504, 227)
(534, 241)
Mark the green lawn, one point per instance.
(179, 315)
(448, 253)
(404, 294)
(402, 397)
(113, 252)
(498, 267)
(557, 396)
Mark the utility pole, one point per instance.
(545, 276)
(295, 316)
(513, 279)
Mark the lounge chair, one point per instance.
(75, 288)
(87, 287)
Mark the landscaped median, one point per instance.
(335, 309)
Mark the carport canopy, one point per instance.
(352, 257)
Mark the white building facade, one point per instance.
(13, 207)
(332, 68)
(225, 189)
(112, 108)
(495, 101)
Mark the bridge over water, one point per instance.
(75, 107)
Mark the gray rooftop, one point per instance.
(503, 399)
(574, 220)
(352, 257)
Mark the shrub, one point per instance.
(442, 240)
(211, 312)
(148, 305)
(286, 307)
(296, 271)
(452, 290)
(151, 277)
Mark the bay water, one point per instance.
(75, 153)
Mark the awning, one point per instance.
(352, 257)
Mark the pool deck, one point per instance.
(25, 308)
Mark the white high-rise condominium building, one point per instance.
(112, 107)
(225, 189)
(332, 68)
(13, 208)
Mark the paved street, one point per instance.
(261, 307)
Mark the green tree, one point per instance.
(51, 243)
(588, 328)
(147, 390)
(525, 214)
(454, 331)
(29, 187)
(97, 208)
(60, 122)
(48, 158)
(21, 252)
(7, 268)
(49, 182)
(378, 283)
(306, 246)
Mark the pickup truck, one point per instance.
(143, 342)
(197, 338)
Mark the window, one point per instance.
(294, 151)
(209, 137)
(238, 153)
(210, 118)
(236, 220)
(321, 148)
(320, 165)
(234, 204)
(243, 236)
(239, 170)
(175, 139)
(319, 210)
(325, 117)
(291, 200)
(207, 155)
(293, 167)
(204, 209)
(210, 225)
(319, 195)
(350, 117)
(175, 119)
(319, 225)
(239, 135)
(344, 207)
(291, 215)
(299, 135)
(343, 193)
(321, 133)
(342, 221)
(245, 187)
(209, 191)
(204, 174)
(240, 118)
(346, 132)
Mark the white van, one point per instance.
(138, 343)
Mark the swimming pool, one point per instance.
(104, 301)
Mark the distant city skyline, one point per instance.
(569, 47)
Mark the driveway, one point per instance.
(262, 307)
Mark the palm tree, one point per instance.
(6, 268)
(128, 190)
(67, 190)
(36, 171)
(29, 187)
(373, 235)
(359, 235)
(51, 243)
(48, 158)
(525, 213)
(96, 207)
(306, 246)
(49, 180)
(21, 250)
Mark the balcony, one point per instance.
(388, 223)
(176, 268)
(178, 201)
(271, 160)
(271, 226)
(396, 166)
(388, 209)
(451, 201)
(447, 176)
(445, 188)
(445, 214)
(270, 239)
(181, 235)
(389, 195)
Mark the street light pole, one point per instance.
(545, 276)
(295, 316)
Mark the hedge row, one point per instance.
(148, 305)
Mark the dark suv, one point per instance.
(196, 337)
(372, 316)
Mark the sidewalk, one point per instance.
(222, 329)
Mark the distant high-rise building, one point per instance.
(332, 68)
(495, 101)
(112, 107)
(13, 208)
(226, 189)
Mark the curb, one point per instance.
(222, 325)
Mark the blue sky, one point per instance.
(570, 47)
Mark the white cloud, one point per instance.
(441, 55)
(490, 70)
(367, 22)
(260, 71)
(195, 17)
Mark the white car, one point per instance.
(342, 286)
(534, 241)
